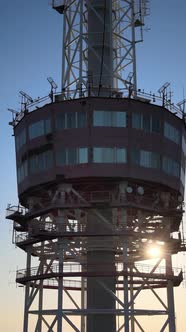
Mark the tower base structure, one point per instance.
(92, 247)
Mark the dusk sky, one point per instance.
(31, 42)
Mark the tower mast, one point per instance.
(99, 45)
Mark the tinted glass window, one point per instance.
(20, 139)
(97, 155)
(36, 129)
(60, 121)
(149, 159)
(47, 124)
(135, 156)
(81, 119)
(98, 118)
(83, 155)
(39, 128)
(145, 158)
(136, 120)
(22, 171)
(33, 163)
(146, 122)
(41, 162)
(155, 125)
(72, 156)
(71, 119)
(121, 156)
(109, 119)
(155, 160)
(171, 133)
(171, 166)
(109, 155)
(61, 157)
(121, 119)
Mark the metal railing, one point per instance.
(86, 199)
(90, 92)
(75, 268)
(12, 209)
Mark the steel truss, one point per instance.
(57, 228)
(126, 29)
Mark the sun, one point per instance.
(154, 251)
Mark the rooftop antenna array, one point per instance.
(163, 93)
(53, 88)
(181, 106)
(25, 100)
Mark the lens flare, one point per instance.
(154, 252)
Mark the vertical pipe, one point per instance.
(132, 325)
(134, 48)
(27, 290)
(60, 288)
(170, 295)
(63, 50)
(81, 49)
(60, 221)
(82, 303)
(40, 304)
(125, 278)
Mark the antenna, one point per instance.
(181, 106)
(127, 19)
(53, 87)
(163, 92)
(14, 112)
(26, 99)
(26, 96)
(14, 115)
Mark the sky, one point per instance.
(31, 42)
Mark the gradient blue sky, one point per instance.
(30, 35)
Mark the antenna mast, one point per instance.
(99, 45)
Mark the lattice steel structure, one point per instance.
(99, 41)
(100, 183)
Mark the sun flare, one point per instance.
(154, 252)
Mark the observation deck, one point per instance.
(115, 139)
(138, 272)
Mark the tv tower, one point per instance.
(100, 172)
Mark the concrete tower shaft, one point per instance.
(100, 44)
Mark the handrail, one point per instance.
(93, 197)
(12, 209)
(101, 268)
(112, 93)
